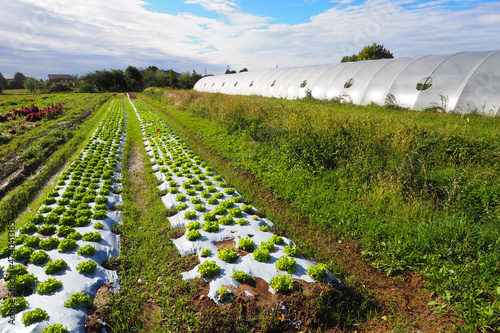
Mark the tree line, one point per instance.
(113, 80)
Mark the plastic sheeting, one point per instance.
(463, 82)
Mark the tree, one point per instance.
(370, 52)
(161, 79)
(133, 78)
(19, 80)
(195, 77)
(31, 84)
(172, 79)
(3, 83)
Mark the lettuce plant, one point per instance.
(211, 226)
(269, 246)
(223, 294)
(292, 251)
(264, 228)
(86, 267)
(228, 255)
(64, 230)
(46, 287)
(261, 255)
(173, 190)
(56, 328)
(182, 206)
(47, 230)
(28, 228)
(55, 266)
(92, 236)
(39, 257)
(99, 215)
(193, 235)
(205, 252)
(193, 225)
(246, 244)
(78, 300)
(32, 241)
(212, 189)
(39, 218)
(101, 200)
(36, 315)
(213, 201)
(20, 304)
(4, 252)
(87, 250)
(242, 222)
(74, 235)
(22, 282)
(226, 220)
(218, 195)
(190, 215)
(208, 269)
(235, 212)
(22, 253)
(282, 282)
(48, 244)
(180, 197)
(82, 221)
(220, 210)
(98, 225)
(240, 276)
(67, 245)
(288, 264)
(247, 208)
(278, 240)
(317, 272)
(14, 271)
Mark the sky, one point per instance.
(45, 37)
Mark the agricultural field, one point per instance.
(249, 214)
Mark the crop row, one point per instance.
(60, 251)
(212, 211)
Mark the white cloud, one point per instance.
(76, 36)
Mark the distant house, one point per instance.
(60, 78)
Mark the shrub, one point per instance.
(292, 251)
(32, 241)
(48, 244)
(22, 253)
(20, 304)
(99, 215)
(261, 255)
(67, 245)
(39, 257)
(242, 222)
(246, 244)
(87, 250)
(211, 226)
(193, 225)
(92, 236)
(46, 287)
(208, 269)
(282, 282)
(193, 235)
(223, 294)
(98, 225)
(205, 252)
(228, 255)
(190, 215)
(36, 315)
(278, 240)
(22, 282)
(55, 266)
(240, 276)
(56, 328)
(78, 300)
(226, 220)
(288, 264)
(317, 272)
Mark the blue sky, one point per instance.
(76, 36)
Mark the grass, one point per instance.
(418, 191)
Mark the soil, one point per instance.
(99, 310)
(400, 301)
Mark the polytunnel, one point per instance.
(463, 82)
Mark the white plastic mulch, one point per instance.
(108, 247)
(159, 138)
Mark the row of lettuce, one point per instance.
(212, 211)
(60, 251)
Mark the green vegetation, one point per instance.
(292, 251)
(55, 266)
(78, 300)
(86, 267)
(193, 235)
(241, 276)
(261, 255)
(67, 245)
(208, 269)
(87, 250)
(39, 257)
(282, 282)
(46, 287)
(317, 272)
(223, 294)
(228, 255)
(246, 244)
(415, 191)
(288, 264)
(20, 303)
(56, 328)
(36, 315)
(205, 252)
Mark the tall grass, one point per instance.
(418, 190)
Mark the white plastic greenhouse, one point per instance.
(462, 82)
